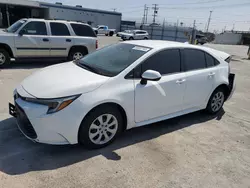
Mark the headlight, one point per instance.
(54, 105)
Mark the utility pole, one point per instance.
(209, 19)
(146, 20)
(145, 15)
(193, 32)
(155, 8)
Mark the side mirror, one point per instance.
(150, 75)
(22, 32)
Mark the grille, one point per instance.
(24, 123)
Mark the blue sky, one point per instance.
(226, 13)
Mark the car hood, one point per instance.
(62, 80)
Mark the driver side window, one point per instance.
(164, 62)
(35, 28)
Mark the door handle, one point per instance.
(46, 40)
(180, 81)
(211, 74)
(68, 40)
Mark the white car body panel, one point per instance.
(62, 85)
(143, 104)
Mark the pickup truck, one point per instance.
(31, 39)
(103, 29)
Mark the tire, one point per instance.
(87, 129)
(106, 34)
(4, 58)
(216, 101)
(96, 32)
(145, 38)
(111, 33)
(72, 54)
(131, 38)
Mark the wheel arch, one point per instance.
(102, 105)
(224, 86)
(7, 48)
(77, 47)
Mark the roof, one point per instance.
(160, 44)
(51, 20)
(43, 4)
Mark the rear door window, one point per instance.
(194, 59)
(83, 30)
(59, 29)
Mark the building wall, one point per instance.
(113, 21)
(228, 38)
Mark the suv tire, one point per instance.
(4, 58)
(76, 53)
(131, 38)
(111, 33)
(104, 123)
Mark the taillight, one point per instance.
(96, 44)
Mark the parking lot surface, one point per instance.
(195, 150)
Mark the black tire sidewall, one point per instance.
(83, 136)
(131, 38)
(209, 106)
(7, 58)
(72, 52)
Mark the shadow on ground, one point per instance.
(18, 155)
(34, 64)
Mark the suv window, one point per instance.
(194, 59)
(35, 28)
(83, 30)
(165, 62)
(59, 29)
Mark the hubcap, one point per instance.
(217, 101)
(103, 129)
(2, 58)
(77, 56)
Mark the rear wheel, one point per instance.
(145, 38)
(100, 127)
(216, 101)
(76, 54)
(111, 33)
(4, 58)
(131, 38)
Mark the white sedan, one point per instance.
(119, 87)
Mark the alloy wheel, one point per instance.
(2, 58)
(217, 101)
(77, 56)
(103, 129)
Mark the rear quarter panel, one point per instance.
(89, 42)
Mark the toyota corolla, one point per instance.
(119, 87)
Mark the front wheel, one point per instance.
(4, 58)
(100, 127)
(216, 101)
(131, 38)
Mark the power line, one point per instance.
(194, 3)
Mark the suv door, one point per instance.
(60, 39)
(101, 30)
(34, 41)
(199, 78)
(163, 97)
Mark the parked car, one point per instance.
(135, 35)
(119, 87)
(103, 29)
(118, 34)
(39, 38)
(201, 39)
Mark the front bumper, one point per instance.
(57, 128)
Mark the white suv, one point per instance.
(135, 35)
(39, 38)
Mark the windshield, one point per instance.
(15, 26)
(111, 60)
